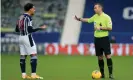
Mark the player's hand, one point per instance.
(77, 18)
(43, 27)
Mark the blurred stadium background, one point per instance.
(58, 15)
(66, 36)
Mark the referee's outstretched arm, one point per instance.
(81, 19)
(107, 28)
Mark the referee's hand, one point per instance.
(98, 28)
(77, 18)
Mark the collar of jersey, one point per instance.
(101, 14)
(27, 14)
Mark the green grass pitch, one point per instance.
(66, 67)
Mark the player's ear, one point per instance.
(31, 9)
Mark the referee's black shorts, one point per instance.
(102, 45)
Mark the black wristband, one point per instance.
(79, 19)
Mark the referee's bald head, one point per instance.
(98, 7)
(99, 4)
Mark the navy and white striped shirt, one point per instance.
(24, 25)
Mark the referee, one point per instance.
(102, 26)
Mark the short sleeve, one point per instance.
(109, 22)
(90, 20)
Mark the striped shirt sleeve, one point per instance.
(30, 28)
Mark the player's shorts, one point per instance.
(102, 46)
(27, 45)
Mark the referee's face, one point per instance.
(97, 9)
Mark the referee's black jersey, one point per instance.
(24, 25)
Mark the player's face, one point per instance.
(32, 10)
(97, 9)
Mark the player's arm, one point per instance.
(31, 29)
(89, 20)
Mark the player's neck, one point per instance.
(28, 13)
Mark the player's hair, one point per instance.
(28, 6)
(100, 4)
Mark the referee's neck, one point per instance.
(100, 13)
